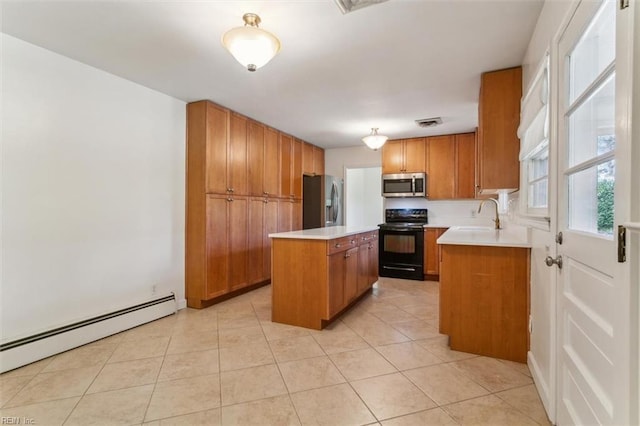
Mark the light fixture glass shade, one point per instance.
(374, 140)
(253, 47)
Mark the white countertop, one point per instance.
(513, 236)
(328, 233)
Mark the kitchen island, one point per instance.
(484, 291)
(318, 273)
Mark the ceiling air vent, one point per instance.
(347, 6)
(429, 122)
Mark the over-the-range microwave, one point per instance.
(404, 185)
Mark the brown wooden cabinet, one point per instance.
(432, 251)
(451, 166)
(263, 160)
(498, 166)
(263, 220)
(367, 261)
(484, 300)
(290, 167)
(314, 280)
(226, 246)
(244, 181)
(442, 157)
(404, 156)
(312, 159)
(318, 160)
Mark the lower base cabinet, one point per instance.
(432, 252)
(484, 300)
(315, 280)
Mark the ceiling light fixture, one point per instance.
(374, 140)
(252, 46)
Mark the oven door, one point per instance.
(401, 253)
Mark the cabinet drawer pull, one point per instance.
(338, 245)
(229, 190)
(347, 255)
(265, 201)
(229, 199)
(265, 193)
(352, 242)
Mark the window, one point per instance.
(590, 119)
(534, 145)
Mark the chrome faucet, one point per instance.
(497, 219)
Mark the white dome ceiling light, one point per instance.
(252, 46)
(374, 140)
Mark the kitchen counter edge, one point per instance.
(496, 238)
(328, 233)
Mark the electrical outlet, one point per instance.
(473, 212)
(154, 289)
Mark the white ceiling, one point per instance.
(336, 76)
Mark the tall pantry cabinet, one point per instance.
(244, 181)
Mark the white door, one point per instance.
(594, 289)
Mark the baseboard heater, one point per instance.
(28, 349)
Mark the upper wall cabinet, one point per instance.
(290, 167)
(312, 159)
(263, 160)
(404, 156)
(451, 166)
(498, 166)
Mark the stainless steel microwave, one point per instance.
(404, 185)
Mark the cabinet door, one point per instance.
(414, 155)
(296, 215)
(296, 169)
(363, 267)
(213, 128)
(238, 242)
(285, 213)
(318, 160)
(351, 274)
(393, 157)
(256, 240)
(466, 165)
(271, 153)
(286, 143)
(441, 179)
(307, 158)
(217, 247)
(373, 262)
(270, 227)
(237, 155)
(498, 120)
(431, 254)
(256, 158)
(336, 283)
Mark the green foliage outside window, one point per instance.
(605, 206)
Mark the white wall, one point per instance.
(363, 203)
(92, 191)
(542, 350)
(336, 159)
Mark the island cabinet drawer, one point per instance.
(367, 237)
(341, 244)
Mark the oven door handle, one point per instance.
(395, 268)
(388, 231)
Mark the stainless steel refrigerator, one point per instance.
(322, 201)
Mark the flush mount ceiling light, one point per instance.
(347, 6)
(252, 46)
(374, 140)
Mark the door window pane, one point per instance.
(591, 192)
(592, 125)
(594, 52)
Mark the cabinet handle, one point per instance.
(265, 193)
(347, 255)
(229, 190)
(229, 199)
(265, 201)
(338, 245)
(352, 242)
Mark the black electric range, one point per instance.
(402, 244)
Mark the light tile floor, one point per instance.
(382, 362)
